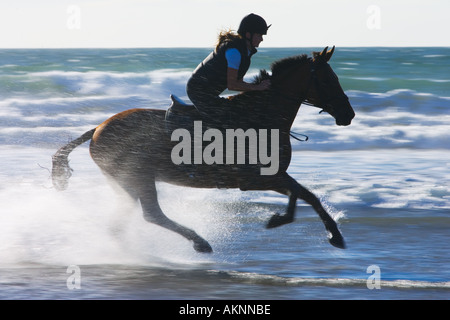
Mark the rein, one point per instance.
(294, 99)
(296, 134)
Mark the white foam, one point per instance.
(332, 282)
(91, 222)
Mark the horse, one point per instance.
(134, 147)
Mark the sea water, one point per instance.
(385, 179)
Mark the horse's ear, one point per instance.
(324, 53)
(320, 56)
(323, 56)
(329, 54)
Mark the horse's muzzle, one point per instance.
(345, 119)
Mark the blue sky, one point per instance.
(195, 23)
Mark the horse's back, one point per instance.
(132, 122)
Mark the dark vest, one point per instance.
(213, 70)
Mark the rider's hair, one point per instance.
(226, 35)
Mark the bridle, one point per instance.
(325, 104)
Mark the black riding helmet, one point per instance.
(254, 24)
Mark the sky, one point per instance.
(196, 23)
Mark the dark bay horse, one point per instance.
(134, 147)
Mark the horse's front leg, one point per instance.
(295, 190)
(277, 219)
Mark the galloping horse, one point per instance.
(134, 147)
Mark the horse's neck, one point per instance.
(270, 110)
(289, 94)
(287, 108)
(279, 105)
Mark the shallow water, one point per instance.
(385, 179)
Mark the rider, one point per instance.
(225, 68)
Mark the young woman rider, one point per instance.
(225, 68)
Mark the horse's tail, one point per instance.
(61, 171)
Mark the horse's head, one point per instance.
(325, 91)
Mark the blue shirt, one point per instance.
(233, 58)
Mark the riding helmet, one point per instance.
(254, 24)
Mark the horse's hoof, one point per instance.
(202, 246)
(278, 220)
(338, 241)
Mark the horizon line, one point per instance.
(205, 47)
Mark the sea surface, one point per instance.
(385, 179)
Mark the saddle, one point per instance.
(180, 115)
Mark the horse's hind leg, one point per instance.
(153, 213)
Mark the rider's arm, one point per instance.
(233, 82)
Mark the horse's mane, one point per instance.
(278, 69)
(279, 66)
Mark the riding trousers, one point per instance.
(214, 109)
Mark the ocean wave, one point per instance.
(56, 84)
(399, 118)
(159, 84)
(414, 102)
(388, 120)
(266, 279)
